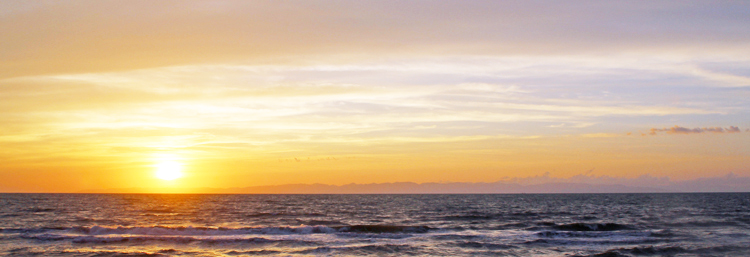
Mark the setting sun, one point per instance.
(169, 170)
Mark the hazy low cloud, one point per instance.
(683, 130)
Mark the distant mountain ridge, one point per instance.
(539, 184)
(434, 188)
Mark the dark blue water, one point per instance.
(390, 225)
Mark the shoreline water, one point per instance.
(688, 224)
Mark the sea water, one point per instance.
(711, 224)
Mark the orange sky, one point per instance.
(97, 95)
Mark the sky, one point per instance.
(98, 95)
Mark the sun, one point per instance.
(169, 170)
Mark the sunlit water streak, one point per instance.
(230, 225)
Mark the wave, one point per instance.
(471, 216)
(387, 249)
(313, 222)
(172, 239)
(30, 230)
(159, 211)
(30, 252)
(384, 229)
(457, 237)
(514, 225)
(482, 245)
(202, 231)
(262, 214)
(253, 252)
(599, 241)
(38, 210)
(283, 214)
(130, 239)
(671, 250)
(592, 227)
(487, 216)
(577, 227)
(220, 231)
(586, 234)
(590, 236)
(726, 223)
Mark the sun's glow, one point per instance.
(169, 170)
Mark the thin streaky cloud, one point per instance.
(677, 130)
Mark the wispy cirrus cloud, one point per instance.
(352, 99)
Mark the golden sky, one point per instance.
(103, 94)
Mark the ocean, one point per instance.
(700, 224)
